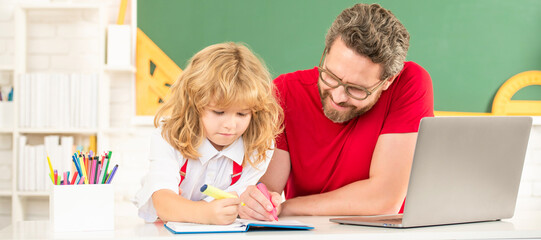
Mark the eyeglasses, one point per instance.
(331, 80)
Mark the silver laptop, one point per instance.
(465, 169)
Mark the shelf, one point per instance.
(54, 6)
(6, 130)
(24, 14)
(5, 193)
(130, 130)
(112, 68)
(33, 194)
(6, 68)
(63, 131)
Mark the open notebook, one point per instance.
(240, 225)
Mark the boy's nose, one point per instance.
(230, 122)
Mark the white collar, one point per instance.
(234, 151)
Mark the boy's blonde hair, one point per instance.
(224, 74)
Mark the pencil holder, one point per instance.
(82, 207)
(6, 114)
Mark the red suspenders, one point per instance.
(237, 172)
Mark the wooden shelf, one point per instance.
(5, 193)
(76, 131)
(55, 6)
(33, 194)
(112, 68)
(6, 130)
(22, 12)
(6, 68)
(130, 130)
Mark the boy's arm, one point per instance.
(173, 207)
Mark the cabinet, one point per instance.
(71, 38)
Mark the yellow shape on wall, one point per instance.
(151, 87)
(503, 105)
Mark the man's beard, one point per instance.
(341, 117)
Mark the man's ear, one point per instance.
(389, 81)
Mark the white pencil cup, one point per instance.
(6, 114)
(82, 207)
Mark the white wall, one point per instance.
(530, 186)
(48, 50)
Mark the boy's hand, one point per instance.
(258, 207)
(222, 211)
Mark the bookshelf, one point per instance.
(4, 130)
(119, 69)
(6, 68)
(24, 202)
(72, 131)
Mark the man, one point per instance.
(350, 124)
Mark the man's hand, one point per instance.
(258, 207)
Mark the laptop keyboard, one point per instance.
(391, 220)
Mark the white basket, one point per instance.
(82, 207)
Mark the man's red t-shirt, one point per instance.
(326, 155)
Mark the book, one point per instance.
(240, 225)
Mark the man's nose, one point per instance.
(339, 94)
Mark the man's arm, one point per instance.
(382, 193)
(278, 171)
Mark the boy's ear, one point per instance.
(389, 81)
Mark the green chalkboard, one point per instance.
(469, 47)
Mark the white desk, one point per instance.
(523, 225)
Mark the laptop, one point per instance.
(465, 169)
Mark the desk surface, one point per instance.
(522, 225)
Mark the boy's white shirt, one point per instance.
(213, 167)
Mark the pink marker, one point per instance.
(92, 166)
(82, 180)
(265, 192)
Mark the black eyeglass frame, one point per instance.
(346, 86)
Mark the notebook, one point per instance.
(465, 169)
(240, 225)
